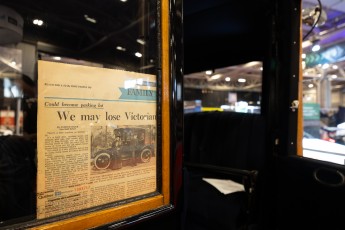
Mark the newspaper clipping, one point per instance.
(96, 137)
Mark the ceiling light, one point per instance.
(57, 58)
(242, 80)
(304, 56)
(87, 18)
(252, 63)
(315, 48)
(209, 72)
(216, 76)
(123, 0)
(120, 48)
(335, 67)
(310, 85)
(138, 54)
(38, 22)
(141, 41)
(325, 66)
(227, 79)
(306, 43)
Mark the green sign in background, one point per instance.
(311, 111)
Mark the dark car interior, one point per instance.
(224, 145)
(218, 34)
(227, 146)
(224, 33)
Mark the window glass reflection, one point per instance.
(118, 35)
(234, 88)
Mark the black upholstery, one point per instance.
(17, 177)
(224, 145)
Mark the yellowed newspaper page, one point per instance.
(96, 137)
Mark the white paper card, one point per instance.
(225, 186)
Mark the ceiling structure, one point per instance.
(330, 28)
(243, 77)
(329, 31)
(116, 34)
(109, 32)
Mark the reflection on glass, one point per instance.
(323, 86)
(233, 88)
(102, 34)
(324, 111)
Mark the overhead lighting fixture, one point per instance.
(325, 66)
(137, 54)
(316, 48)
(242, 80)
(310, 85)
(216, 76)
(252, 63)
(209, 72)
(120, 48)
(306, 44)
(87, 18)
(123, 0)
(37, 22)
(141, 41)
(227, 79)
(304, 56)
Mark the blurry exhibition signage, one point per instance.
(96, 137)
(311, 111)
(329, 55)
(192, 106)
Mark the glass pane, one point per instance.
(71, 72)
(323, 86)
(234, 88)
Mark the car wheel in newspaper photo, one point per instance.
(102, 160)
(107, 159)
(145, 155)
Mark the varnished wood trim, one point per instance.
(105, 216)
(165, 102)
